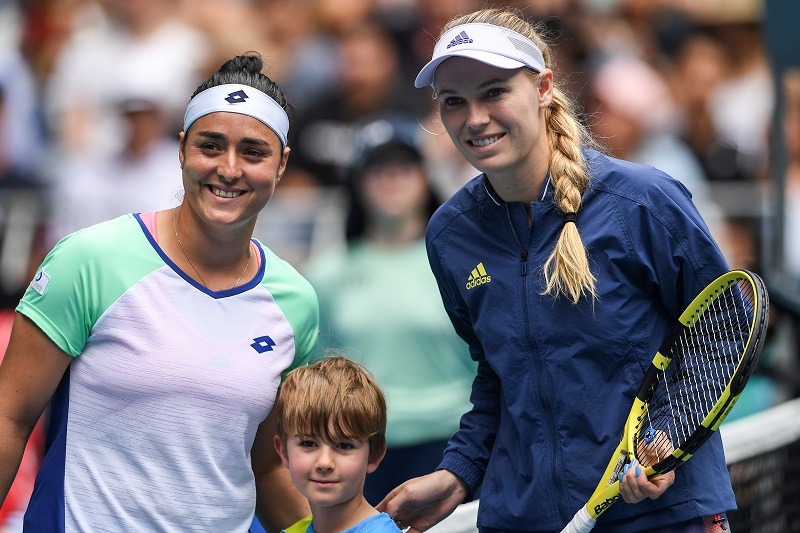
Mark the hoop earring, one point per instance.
(426, 130)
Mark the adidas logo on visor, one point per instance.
(461, 38)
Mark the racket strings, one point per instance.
(705, 358)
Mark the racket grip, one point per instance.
(580, 523)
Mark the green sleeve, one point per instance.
(83, 275)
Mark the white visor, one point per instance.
(240, 99)
(487, 43)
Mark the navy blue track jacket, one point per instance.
(556, 380)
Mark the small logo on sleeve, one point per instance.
(478, 276)
(40, 281)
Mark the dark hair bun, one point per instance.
(250, 62)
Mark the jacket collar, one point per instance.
(489, 200)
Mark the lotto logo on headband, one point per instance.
(253, 103)
(237, 97)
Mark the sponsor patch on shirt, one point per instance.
(40, 281)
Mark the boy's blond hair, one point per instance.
(333, 398)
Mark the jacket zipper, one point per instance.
(543, 400)
(523, 255)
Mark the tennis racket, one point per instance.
(690, 387)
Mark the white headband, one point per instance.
(241, 99)
(487, 43)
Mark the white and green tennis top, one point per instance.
(152, 425)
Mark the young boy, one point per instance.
(331, 423)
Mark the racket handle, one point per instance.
(580, 523)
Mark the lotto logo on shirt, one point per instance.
(40, 281)
(263, 344)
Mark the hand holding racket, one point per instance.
(693, 382)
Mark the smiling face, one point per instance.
(495, 117)
(231, 164)
(329, 474)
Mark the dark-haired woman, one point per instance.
(161, 338)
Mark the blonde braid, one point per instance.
(566, 271)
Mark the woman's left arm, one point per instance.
(278, 502)
(683, 255)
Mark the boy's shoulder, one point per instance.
(300, 526)
(380, 523)
(383, 522)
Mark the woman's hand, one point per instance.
(423, 502)
(635, 486)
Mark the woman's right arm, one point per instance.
(423, 502)
(30, 372)
(469, 449)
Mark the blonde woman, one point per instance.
(563, 269)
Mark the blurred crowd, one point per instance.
(92, 95)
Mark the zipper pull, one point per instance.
(523, 256)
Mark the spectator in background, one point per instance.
(379, 304)
(141, 175)
(22, 213)
(23, 205)
(141, 36)
(340, 17)
(639, 121)
(21, 130)
(777, 377)
(413, 23)
(305, 53)
(304, 36)
(723, 57)
(749, 86)
(703, 59)
(791, 129)
(430, 17)
(373, 84)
